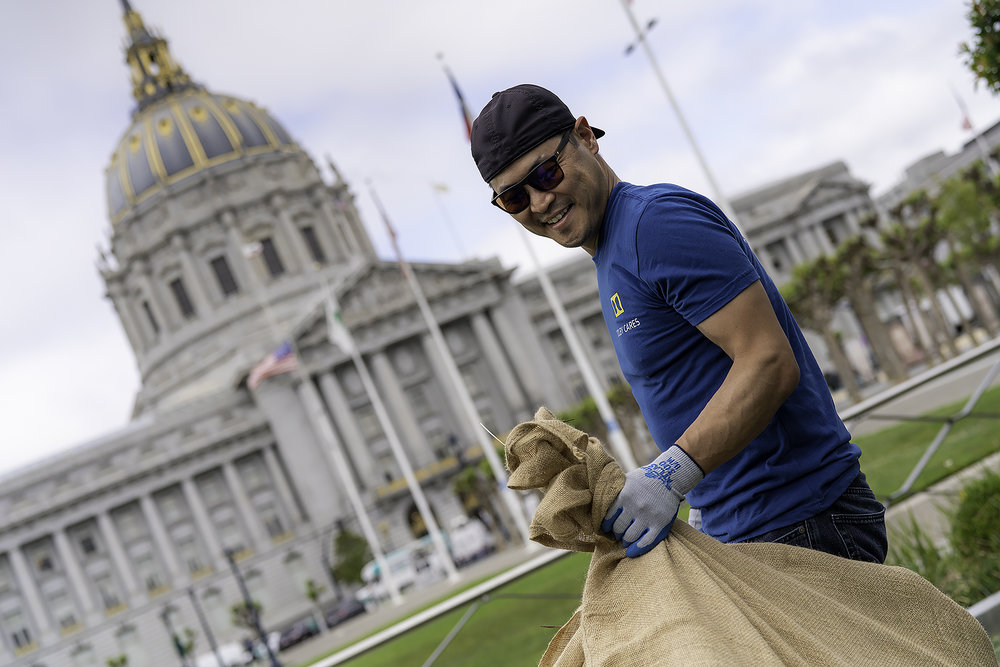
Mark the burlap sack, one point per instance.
(695, 601)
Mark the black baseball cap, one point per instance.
(515, 121)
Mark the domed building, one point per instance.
(227, 245)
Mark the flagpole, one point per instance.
(977, 137)
(342, 336)
(321, 423)
(451, 369)
(720, 198)
(616, 436)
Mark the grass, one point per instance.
(889, 455)
(512, 631)
(502, 631)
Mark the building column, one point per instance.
(343, 244)
(283, 487)
(533, 367)
(245, 507)
(75, 575)
(209, 534)
(406, 423)
(241, 268)
(118, 556)
(279, 206)
(195, 281)
(795, 250)
(126, 314)
(29, 588)
(450, 391)
(156, 301)
(823, 241)
(357, 446)
(499, 366)
(164, 545)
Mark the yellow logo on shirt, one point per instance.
(617, 303)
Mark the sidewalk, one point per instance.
(413, 600)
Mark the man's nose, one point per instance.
(540, 199)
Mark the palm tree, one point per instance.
(965, 213)
(814, 289)
(859, 260)
(909, 248)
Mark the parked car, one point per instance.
(297, 632)
(341, 611)
(470, 540)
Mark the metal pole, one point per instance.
(165, 615)
(251, 609)
(205, 627)
(617, 438)
(404, 463)
(720, 198)
(451, 368)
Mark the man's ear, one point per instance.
(585, 134)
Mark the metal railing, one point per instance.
(865, 409)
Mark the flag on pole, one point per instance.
(282, 360)
(463, 108)
(335, 328)
(403, 267)
(966, 121)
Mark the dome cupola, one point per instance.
(178, 127)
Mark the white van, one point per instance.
(415, 564)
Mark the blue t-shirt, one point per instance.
(668, 258)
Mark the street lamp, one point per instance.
(251, 609)
(174, 639)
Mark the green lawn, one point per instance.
(889, 455)
(514, 631)
(502, 631)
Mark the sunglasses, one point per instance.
(542, 178)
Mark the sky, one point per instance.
(768, 88)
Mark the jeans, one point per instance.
(853, 527)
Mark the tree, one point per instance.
(859, 260)
(245, 615)
(908, 243)
(314, 591)
(982, 53)
(815, 288)
(118, 661)
(351, 552)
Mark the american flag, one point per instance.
(463, 108)
(282, 360)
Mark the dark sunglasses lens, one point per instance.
(546, 176)
(514, 200)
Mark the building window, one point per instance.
(13, 622)
(312, 242)
(87, 545)
(781, 258)
(190, 555)
(151, 318)
(223, 274)
(272, 522)
(107, 591)
(271, 258)
(181, 295)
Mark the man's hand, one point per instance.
(644, 511)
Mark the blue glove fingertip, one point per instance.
(632, 550)
(608, 524)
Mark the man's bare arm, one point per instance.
(763, 374)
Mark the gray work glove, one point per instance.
(644, 511)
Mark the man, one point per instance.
(730, 391)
